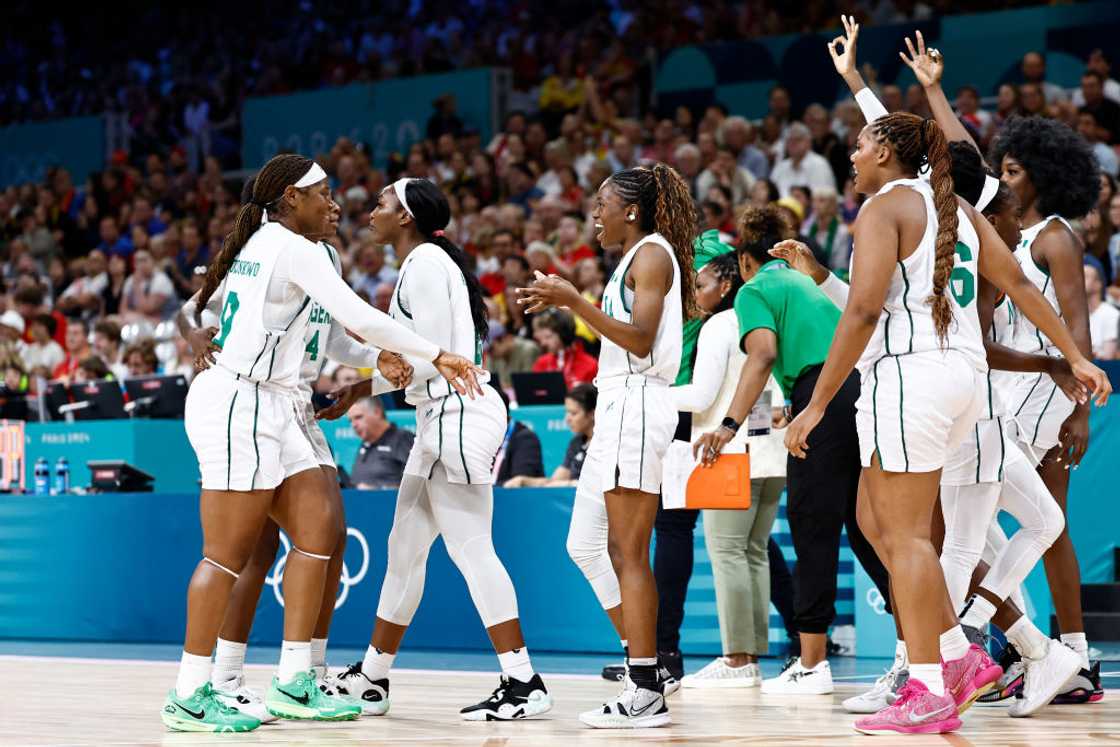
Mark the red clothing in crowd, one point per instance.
(577, 365)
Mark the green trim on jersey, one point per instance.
(622, 283)
(1002, 448)
(906, 305)
(1042, 414)
(1037, 331)
(256, 447)
(462, 454)
(901, 419)
(976, 434)
(1027, 398)
(229, 441)
(875, 410)
(642, 457)
(442, 407)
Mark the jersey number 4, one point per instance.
(312, 348)
(229, 310)
(962, 282)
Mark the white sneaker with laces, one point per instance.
(881, 695)
(798, 680)
(1044, 678)
(235, 694)
(718, 673)
(634, 708)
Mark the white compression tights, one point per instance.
(972, 534)
(462, 515)
(587, 539)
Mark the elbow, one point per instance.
(864, 316)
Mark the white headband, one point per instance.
(313, 175)
(398, 188)
(991, 186)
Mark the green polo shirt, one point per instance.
(799, 313)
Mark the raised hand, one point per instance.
(844, 58)
(395, 369)
(928, 65)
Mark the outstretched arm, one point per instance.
(843, 52)
(928, 66)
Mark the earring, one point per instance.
(630, 217)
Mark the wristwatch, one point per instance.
(730, 424)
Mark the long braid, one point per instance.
(916, 142)
(665, 206)
(268, 188)
(675, 219)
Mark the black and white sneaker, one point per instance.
(373, 695)
(512, 699)
(633, 708)
(670, 670)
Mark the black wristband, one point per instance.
(730, 424)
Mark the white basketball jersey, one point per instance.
(906, 324)
(262, 328)
(318, 330)
(1028, 338)
(444, 295)
(1005, 320)
(664, 359)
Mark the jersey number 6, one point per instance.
(961, 281)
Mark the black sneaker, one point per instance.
(512, 699)
(670, 671)
(372, 694)
(1083, 687)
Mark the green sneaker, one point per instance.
(202, 711)
(302, 698)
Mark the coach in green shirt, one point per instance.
(786, 325)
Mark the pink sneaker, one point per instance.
(917, 711)
(970, 676)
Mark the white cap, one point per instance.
(13, 319)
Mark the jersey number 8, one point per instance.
(229, 310)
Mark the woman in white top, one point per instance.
(921, 393)
(243, 420)
(649, 213)
(447, 487)
(736, 540)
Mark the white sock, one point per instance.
(1080, 644)
(953, 644)
(900, 655)
(319, 652)
(625, 643)
(1027, 639)
(516, 664)
(978, 612)
(930, 676)
(295, 657)
(194, 672)
(377, 664)
(229, 661)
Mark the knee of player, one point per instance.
(1051, 525)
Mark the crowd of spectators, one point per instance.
(94, 269)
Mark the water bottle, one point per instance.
(61, 477)
(42, 476)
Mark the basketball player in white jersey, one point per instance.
(911, 317)
(986, 474)
(1054, 174)
(447, 485)
(325, 339)
(242, 418)
(649, 213)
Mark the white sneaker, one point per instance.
(372, 694)
(235, 694)
(882, 694)
(718, 673)
(634, 708)
(1044, 678)
(797, 680)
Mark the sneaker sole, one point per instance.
(997, 694)
(598, 721)
(982, 684)
(741, 682)
(303, 713)
(531, 709)
(375, 711)
(177, 724)
(671, 687)
(797, 692)
(937, 727)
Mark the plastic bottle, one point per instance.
(61, 477)
(42, 476)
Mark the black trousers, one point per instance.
(781, 589)
(672, 569)
(822, 500)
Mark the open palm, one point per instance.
(928, 65)
(843, 48)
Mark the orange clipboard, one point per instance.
(724, 485)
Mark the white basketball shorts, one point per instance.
(462, 434)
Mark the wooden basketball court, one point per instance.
(46, 701)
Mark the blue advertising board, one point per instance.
(28, 150)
